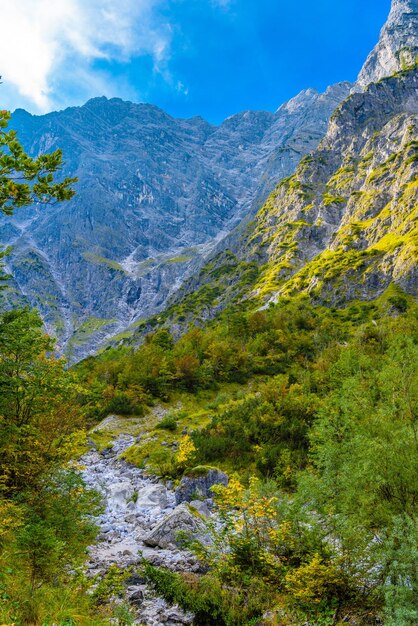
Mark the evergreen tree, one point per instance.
(25, 180)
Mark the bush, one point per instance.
(211, 602)
(400, 557)
(120, 405)
(315, 584)
(169, 422)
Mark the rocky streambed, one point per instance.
(141, 520)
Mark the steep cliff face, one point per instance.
(343, 227)
(398, 45)
(155, 195)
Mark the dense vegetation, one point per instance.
(314, 418)
(320, 434)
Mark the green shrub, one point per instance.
(168, 422)
(121, 404)
(211, 602)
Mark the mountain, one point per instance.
(398, 45)
(163, 206)
(343, 228)
(155, 195)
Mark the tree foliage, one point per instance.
(25, 180)
(39, 416)
(45, 509)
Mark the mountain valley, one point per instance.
(230, 438)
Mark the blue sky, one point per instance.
(191, 57)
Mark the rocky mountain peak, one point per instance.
(299, 101)
(398, 44)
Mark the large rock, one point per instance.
(152, 496)
(119, 494)
(181, 521)
(201, 507)
(196, 487)
(136, 595)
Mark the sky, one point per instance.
(211, 58)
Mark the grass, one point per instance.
(87, 329)
(109, 429)
(182, 258)
(101, 260)
(330, 199)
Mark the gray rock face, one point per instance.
(201, 507)
(398, 45)
(154, 197)
(191, 488)
(153, 495)
(168, 532)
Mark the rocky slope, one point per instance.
(398, 45)
(126, 521)
(142, 518)
(343, 227)
(154, 196)
(324, 209)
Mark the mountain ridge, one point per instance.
(160, 199)
(155, 196)
(342, 228)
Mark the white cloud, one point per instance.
(48, 47)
